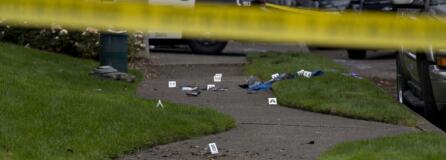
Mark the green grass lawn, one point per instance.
(332, 93)
(412, 146)
(51, 109)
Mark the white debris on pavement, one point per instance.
(188, 88)
(218, 77)
(210, 86)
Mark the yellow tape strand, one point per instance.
(296, 10)
(369, 30)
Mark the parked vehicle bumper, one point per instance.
(438, 78)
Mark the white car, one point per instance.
(196, 45)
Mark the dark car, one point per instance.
(341, 5)
(367, 5)
(421, 74)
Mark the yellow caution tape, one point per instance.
(368, 30)
(296, 10)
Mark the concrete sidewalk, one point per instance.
(263, 131)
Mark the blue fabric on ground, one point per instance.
(259, 86)
(317, 73)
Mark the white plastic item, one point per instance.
(304, 73)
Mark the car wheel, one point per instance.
(430, 109)
(207, 46)
(401, 81)
(356, 53)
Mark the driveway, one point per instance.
(263, 131)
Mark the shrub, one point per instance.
(136, 44)
(76, 43)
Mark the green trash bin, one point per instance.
(114, 51)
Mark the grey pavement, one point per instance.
(249, 47)
(263, 131)
(234, 53)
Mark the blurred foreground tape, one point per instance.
(238, 23)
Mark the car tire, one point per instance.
(401, 81)
(207, 46)
(356, 53)
(430, 110)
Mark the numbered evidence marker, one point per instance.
(217, 77)
(172, 84)
(159, 104)
(275, 75)
(272, 101)
(210, 86)
(213, 148)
